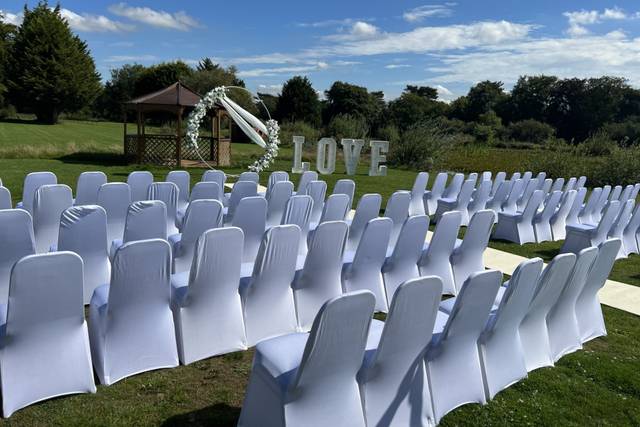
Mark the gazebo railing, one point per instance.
(162, 149)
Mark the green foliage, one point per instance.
(530, 98)
(482, 98)
(530, 130)
(160, 76)
(416, 104)
(598, 144)
(347, 126)
(270, 102)
(298, 102)
(621, 167)
(421, 147)
(290, 129)
(345, 98)
(388, 133)
(626, 133)
(51, 70)
(119, 89)
(7, 32)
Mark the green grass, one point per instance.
(597, 386)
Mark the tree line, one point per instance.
(51, 71)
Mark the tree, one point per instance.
(51, 70)
(530, 98)
(416, 104)
(483, 97)
(206, 64)
(270, 102)
(427, 92)
(345, 98)
(118, 90)
(160, 76)
(298, 102)
(7, 31)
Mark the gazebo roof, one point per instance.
(175, 96)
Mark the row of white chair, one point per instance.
(423, 362)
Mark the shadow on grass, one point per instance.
(220, 414)
(22, 121)
(100, 159)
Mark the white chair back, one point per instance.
(499, 197)
(581, 182)
(626, 193)
(615, 193)
(416, 207)
(345, 186)
(305, 179)
(240, 190)
(205, 190)
(467, 258)
(5, 199)
(431, 197)
(497, 182)
(335, 208)
(629, 239)
(397, 210)
(277, 199)
(480, 198)
(317, 190)
(139, 182)
(621, 220)
(249, 176)
(87, 187)
(573, 218)
(219, 178)
(368, 208)
(48, 204)
(298, 212)
(32, 182)
(454, 186)
(276, 176)
(169, 193)
(182, 180)
(16, 242)
(251, 218)
(558, 220)
(202, 215)
(146, 219)
(571, 184)
(589, 207)
(606, 223)
(510, 204)
(532, 185)
(532, 206)
(435, 259)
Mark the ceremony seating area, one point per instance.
(176, 275)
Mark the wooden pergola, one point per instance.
(169, 149)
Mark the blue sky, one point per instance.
(383, 45)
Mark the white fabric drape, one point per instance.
(240, 116)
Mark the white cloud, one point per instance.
(131, 58)
(364, 30)
(331, 23)
(419, 13)
(93, 23)
(579, 20)
(270, 89)
(395, 66)
(11, 18)
(156, 18)
(266, 72)
(445, 94)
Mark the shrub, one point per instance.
(421, 147)
(626, 133)
(289, 129)
(622, 167)
(530, 131)
(598, 144)
(388, 133)
(347, 126)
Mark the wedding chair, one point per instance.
(518, 227)
(616, 193)
(581, 182)
(457, 203)
(452, 190)
(435, 257)
(598, 210)
(139, 182)
(5, 199)
(298, 212)
(368, 208)
(345, 186)
(49, 202)
(274, 177)
(182, 180)
(586, 213)
(558, 220)
(497, 182)
(115, 198)
(402, 264)
(131, 327)
(393, 380)
(510, 204)
(558, 185)
(630, 233)
(146, 219)
(416, 207)
(251, 217)
(219, 177)
(45, 346)
(533, 328)
(562, 325)
(169, 193)
(588, 310)
(83, 230)
(452, 358)
(335, 208)
(277, 199)
(206, 306)
(546, 186)
(634, 192)
(16, 242)
(584, 235)
(240, 190)
(317, 190)
(310, 379)
(200, 191)
(541, 177)
(479, 199)
(518, 175)
(249, 176)
(267, 298)
(573, 218)
(626, 193)
(571, 184)
(320, 278)
(202, 215)
(529, 189)
(542, 220)
(364, 271)
(619, 224)
(397, 210)
(87, 187)
(430, 197)
(498, 199)
(32, 182)
(305, 179)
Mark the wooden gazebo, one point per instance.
(167, 149)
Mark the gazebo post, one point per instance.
(179, 138)
(124, 133)
(213, 142)
(139, 148)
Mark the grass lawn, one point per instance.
(597, 386)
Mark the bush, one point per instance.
(626, 133)
(530, 131)
(347, 126)
(598, 144)
(622, 167)
(289, 129)
(421, 147)
(388, 133)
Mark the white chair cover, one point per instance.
(45, 346)
(635, 191)
(529, 189)
(630, 233)
(588, 310)
(393, 380)
(452, 358)
(480, 198)
(5, 199)
(87, 187)
(533, 328)
(296, 378)
(402, 265)
(206, 306)
(518, 227)
(542, 220)
(32, 182)
(320, 278)
(115, 198)
(501, 352)
(16, 242)
(276, 176)
(130, 321)
(146, 219)
(431, 197)
(473, 176)
(585, 214)
(416, 207)
(574, 213)
(546, 186)
(249, 176)
(467, 258)
(200, 191)
(305, 179)
(619, 224)
(516, 175)
(251, 217)
(435, 258)
(571, 184)
(558, 185)
(583, 235)
(219, 178)
(526, 177)
(497, 200)
(335, 208)
(48, 204)
(83, 230)
(367, 209)
(397, 210)
(345, 186)
(452, 190)
(298, 212)
(626, 193)
(497, 182)
(202, 215)
(597, 212)
(277, 199)
(615, 193)
(564, 333)
(458, 203)
(267, 297)
(510, 204)
(365, 271)
(317, 190)
(169, 193)
(486, 176)
(139, 182)
(581, 182)
(240, 190)
(541, 179)
(558, 220)
(182, 180)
